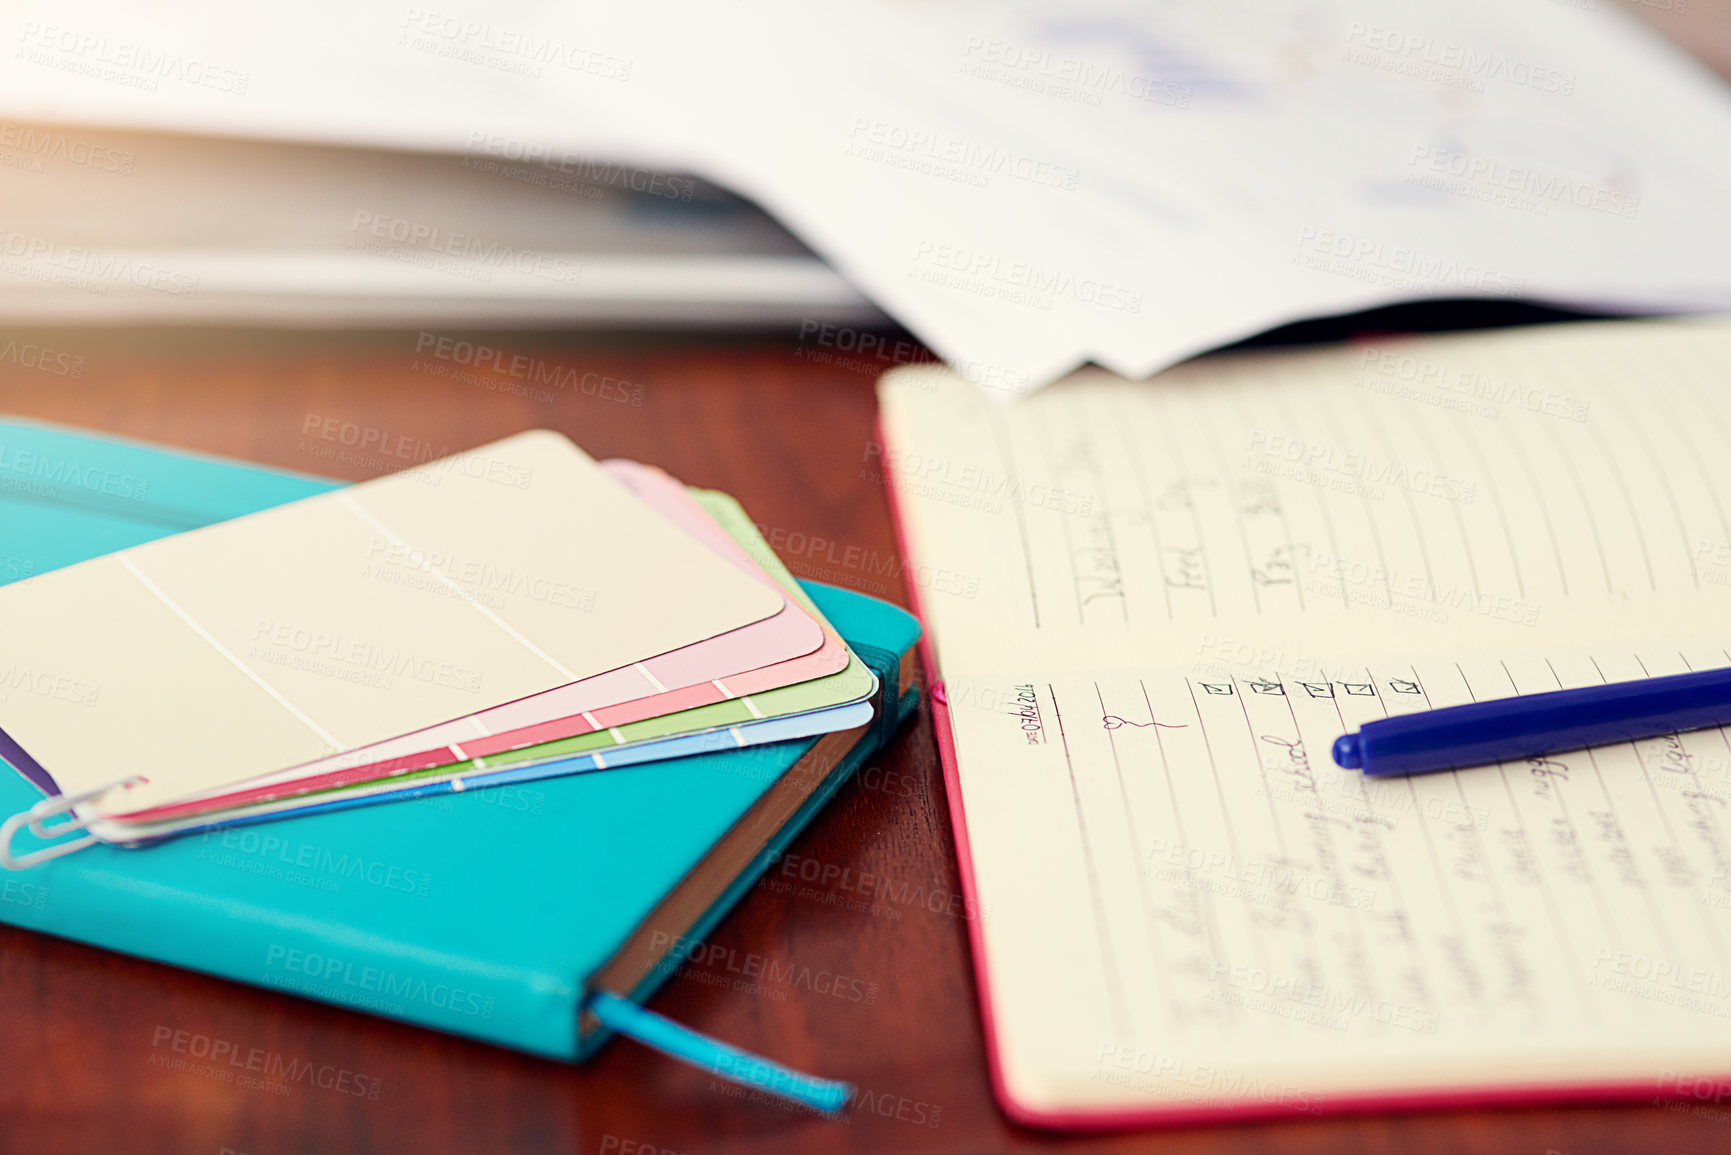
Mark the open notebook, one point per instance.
(1152, 608)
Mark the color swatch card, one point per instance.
(801, 708)
(458, 780)
(806, 686)
(790, 646)
(273, 640)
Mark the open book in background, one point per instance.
(1154, 606)
(1025, 189)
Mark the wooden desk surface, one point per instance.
(787, 427)
(792, 438)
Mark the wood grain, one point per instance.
(791, 437)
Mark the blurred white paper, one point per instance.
(1025, 189)
(123, 227)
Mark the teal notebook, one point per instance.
(498, 914)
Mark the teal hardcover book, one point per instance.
(495, 914)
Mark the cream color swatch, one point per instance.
(354, 616)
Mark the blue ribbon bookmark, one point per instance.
(705, 1053)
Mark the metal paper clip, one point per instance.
(36, 818)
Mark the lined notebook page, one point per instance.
(1549, 477)
(1178, 593)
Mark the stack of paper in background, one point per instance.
(513, 612)
(1027, 188)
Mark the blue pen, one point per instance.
(1531, 725)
